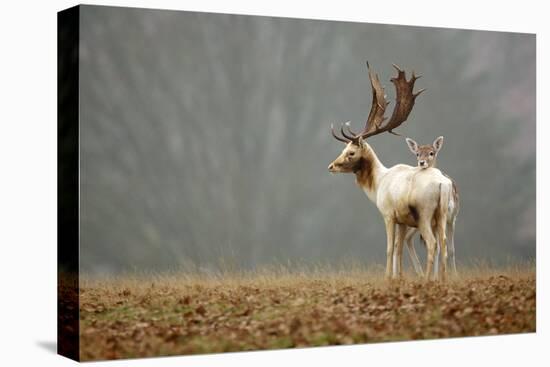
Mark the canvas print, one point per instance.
(235, 183)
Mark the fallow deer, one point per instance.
(426, 156)
(406, 196)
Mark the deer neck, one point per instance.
(368, 172)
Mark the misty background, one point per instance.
(205, 138)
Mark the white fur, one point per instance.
(394, 192)
(409, 240)
(452, 209)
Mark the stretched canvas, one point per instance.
(234, 183)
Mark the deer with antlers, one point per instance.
(426, 156)
(406, 196)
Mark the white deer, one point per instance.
(426, 156)
(406, 196)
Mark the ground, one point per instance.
(139, 316)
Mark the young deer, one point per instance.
(406, 196)
(426, 156)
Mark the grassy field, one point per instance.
(139, 316)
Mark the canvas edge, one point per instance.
(68, 328)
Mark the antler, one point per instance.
(405, 99)
(379, 103)
(345, 138)
(336, 136)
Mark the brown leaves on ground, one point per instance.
(124, 318)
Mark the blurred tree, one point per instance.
(205, 137)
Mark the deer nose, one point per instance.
(422, 163)
(331, 166)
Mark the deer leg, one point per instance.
(390, 233)
(442, 237)
(409, 239)
(401, 230)
(451, 245)
(395, 258)
(397, 263)
(436, 258)
(427, 234)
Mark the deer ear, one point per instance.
(413, 146)
(438, 143)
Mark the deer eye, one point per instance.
(418, 154)
(351, 154)
(431, 154)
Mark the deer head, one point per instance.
(351, 158)
(356, 150)
(426, 155)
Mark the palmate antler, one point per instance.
(404, 102)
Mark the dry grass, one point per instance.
(152, 315)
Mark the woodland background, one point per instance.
(205, 138)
